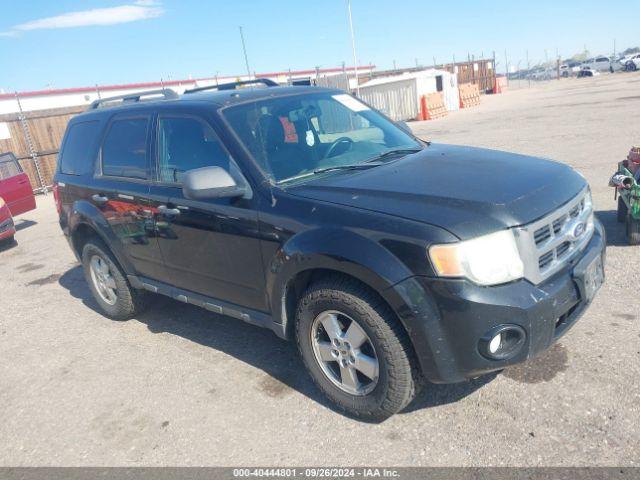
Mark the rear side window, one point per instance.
(9, 166)
(124, 151)
(76, 156)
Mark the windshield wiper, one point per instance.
(396, 151)
(353, 166)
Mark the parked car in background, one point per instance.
(15, 186)
(7, 228)
(587, 72)
(543, 74)
(631, 63)
(569, 69)
(602, 64)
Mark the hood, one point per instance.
(468, 191)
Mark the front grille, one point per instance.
(542, 234)
(546, 245)
(545, 260)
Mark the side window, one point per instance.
(9, 166)
(74, 158)
(124, 150)
(186, 143)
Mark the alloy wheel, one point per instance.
(345, 352)
(102, 279)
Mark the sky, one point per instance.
(72, 43)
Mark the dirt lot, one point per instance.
(181, 386)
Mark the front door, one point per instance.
(209, 247)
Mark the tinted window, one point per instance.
(291, 137)
(9, 166)
(124, 151)
(185, 144)
(75, 156)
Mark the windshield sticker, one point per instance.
(311, 140)
(351, 103)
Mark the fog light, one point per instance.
(502, 342)
(495, 343)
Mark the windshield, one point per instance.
(297, 136)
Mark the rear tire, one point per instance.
(633, 230)
(8, 241)
(381, 338)
(622, 211)
(110, 288)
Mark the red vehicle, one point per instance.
(15, 186)
(7, 228)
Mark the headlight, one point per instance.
(488, 260)
(2, 203)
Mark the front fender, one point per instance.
(85, 213)
(335, 249)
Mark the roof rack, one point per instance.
(167, 93)
(233, 85)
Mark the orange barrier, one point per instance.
(469, 95)
(501, 85)
(432, 106)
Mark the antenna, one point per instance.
(244, 49)
(353, 46)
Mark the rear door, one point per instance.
(122, 187)
(15, 187)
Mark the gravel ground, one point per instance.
(181, 386)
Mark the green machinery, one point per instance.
(628, 195)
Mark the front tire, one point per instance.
(8, 241)
(108, 283)
(355, 349)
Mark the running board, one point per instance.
(214, 305)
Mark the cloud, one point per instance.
(139, 10)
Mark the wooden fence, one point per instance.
(34, 138)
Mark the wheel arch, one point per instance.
(88, 222)
(318, 253)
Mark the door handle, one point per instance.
(99, 199)
(164, 210)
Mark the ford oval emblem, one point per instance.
(579, 229)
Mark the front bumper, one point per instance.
(7, 229)
(447, 318)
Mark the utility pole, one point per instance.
(506, 66)
(353, 46)
(244, 49)
(528, 69)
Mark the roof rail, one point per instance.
(167, 93)
(233, 85)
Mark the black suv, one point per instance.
(303, 210)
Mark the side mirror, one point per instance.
(210, 182)
(403, 126)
